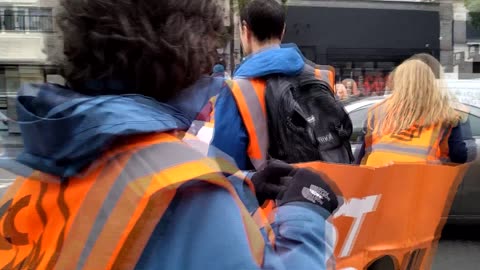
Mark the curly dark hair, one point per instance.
(153, 47)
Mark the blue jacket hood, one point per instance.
(285, 59)
(64, 131)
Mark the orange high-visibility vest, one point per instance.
(103, 218)
(418, 144)
(249, 95)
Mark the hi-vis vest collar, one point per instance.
(103, 219)
(249, 95)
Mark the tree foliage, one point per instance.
(241, 4)
(474, 10)
(473, 5)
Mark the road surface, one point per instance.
(459, 248)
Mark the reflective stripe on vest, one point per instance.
(418, 144)
(250, 98)
(104, 219)
(260, 216)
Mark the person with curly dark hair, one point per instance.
(162, 53)
(111, 179)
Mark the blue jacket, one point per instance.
(229, 127)
(202, 228)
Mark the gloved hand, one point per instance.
(313, 187)
(270, 182)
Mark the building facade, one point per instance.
(439, 27)
(25, 26)
(466, 42)
(366, 39)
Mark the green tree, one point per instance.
(474, 7)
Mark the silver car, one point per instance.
(466, 206)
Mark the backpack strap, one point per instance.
(250, 98)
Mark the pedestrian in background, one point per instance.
(218, 71)
(351, 87)
(255, 113)
(341, 92)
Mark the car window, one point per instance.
(358, 120)
(475, 125)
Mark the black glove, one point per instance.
(270, 182)
(308, 186)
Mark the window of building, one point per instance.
(22, 19)
(476, 67)
(11, 78)
(40, 20)
(370, 77)
(14, 19)
(8, 19)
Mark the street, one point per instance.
(458, 249)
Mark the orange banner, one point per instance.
(391, 215)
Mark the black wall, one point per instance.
(329, 34)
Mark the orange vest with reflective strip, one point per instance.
(103, 218)
(418, 144)
(249, 95)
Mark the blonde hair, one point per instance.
(417, 99)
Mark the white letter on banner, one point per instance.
(356, 209)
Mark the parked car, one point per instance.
(466, 206)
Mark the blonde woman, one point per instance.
(417, 123)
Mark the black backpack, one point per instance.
(305, 121)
